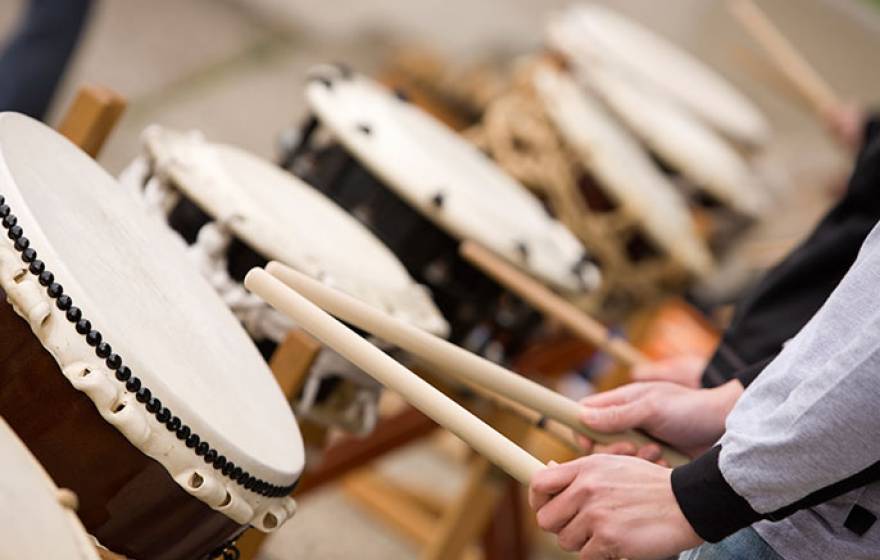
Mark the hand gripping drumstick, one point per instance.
(543, 299)
(785, 57)
(501, 451)
(451, 360)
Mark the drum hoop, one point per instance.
(133, 385)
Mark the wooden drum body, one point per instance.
(124, 374)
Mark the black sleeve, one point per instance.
(715, 510)
(872, 127)
(776, 308)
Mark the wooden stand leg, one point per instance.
(505, 538)
(92, 116)
(467, 519)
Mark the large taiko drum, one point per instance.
(422, 189)
(37, 519)
(235, 211)
(123, 372)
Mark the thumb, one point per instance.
(610, 419)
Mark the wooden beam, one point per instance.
(92, 117)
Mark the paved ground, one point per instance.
(235, 69)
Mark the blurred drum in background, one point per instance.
(236, 211)
(123, 372)
(37, 520)
(590, 34)
(421, 189)
(717, 180)
(567, 147)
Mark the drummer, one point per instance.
(777, 307)
(767, 470)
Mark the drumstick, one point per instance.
(501, 451)
(817, 92)
(449, 359)
(549, 303)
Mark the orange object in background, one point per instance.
(674, 328)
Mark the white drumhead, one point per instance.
(681, 140)
(588, 33)
(287, 220)
(132, 280)
(622, 168)
(421, 160)
(33, 524)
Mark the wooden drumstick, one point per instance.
(817, 92)
(456, 362)
(551, 304)
(501, 451)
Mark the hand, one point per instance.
(683, 370)
(611, 507)
(690, 420)
(846, 123)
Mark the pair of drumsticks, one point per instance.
(302, 299)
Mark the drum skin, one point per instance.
(127, 501)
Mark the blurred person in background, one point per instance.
(34, 59)
(785, 469)
(776, 308)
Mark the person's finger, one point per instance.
(559, 511)
(575, 534)
(554, 478)
(612, 419)
(617, 448)
(649, 371)
(650, 452)
(584, 442)
(537, 500)
(596, 549)
(620, 395)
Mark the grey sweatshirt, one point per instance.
(802, 445)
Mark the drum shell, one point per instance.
(128, 501)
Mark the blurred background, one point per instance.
(236, 71)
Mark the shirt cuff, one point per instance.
(710, 505)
